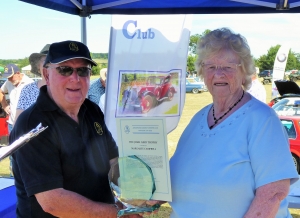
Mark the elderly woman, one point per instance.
(233, 158)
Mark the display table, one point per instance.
(8, 198)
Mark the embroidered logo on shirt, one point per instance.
(98, 128)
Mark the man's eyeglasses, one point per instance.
(227, 68)
(68, 71)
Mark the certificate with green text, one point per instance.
(146, 138)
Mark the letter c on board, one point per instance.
(125, 26)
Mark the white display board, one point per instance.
(147, 68)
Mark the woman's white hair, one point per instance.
(224, 39)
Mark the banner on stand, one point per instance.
(147, 68)
(279, 67)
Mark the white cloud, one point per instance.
(262, 31)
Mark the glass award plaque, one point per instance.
(132, 183)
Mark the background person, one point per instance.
(13, 86)
(63, 172)
(233, 158)
(31, 91)
(97, 88)
(257, 89)
(103, 74)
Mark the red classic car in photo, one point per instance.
(145, 97)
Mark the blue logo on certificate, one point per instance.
(126, 129)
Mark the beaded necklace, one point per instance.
(221, 117)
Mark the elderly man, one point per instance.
(63, 172)
(13, 86)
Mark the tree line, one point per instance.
(264, 62)
(25, 61)
(99, 55)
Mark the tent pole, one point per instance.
(83, 30)
(83, 26)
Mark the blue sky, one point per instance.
(26, 28)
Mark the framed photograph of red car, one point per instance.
(148, 93)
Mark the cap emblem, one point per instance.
(73, 46)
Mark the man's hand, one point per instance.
(7, 110)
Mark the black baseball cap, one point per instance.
(68, 50)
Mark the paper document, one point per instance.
(8, 150)
(147, 139)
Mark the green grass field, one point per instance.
(193, 103)
(101, 61)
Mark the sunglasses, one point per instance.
(68, 71)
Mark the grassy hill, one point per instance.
(101, 61)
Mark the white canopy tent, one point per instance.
(26, 68)
(27, 71)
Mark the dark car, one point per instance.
(286, 89)
(266, 73)
(294, 76)
(2, 81)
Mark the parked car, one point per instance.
(292, 127)
(197, 80)
(289, 106)
(2, 81)
(267, 80)
(36, 78)
(3, 119)
(288, 72)
(294, 76)
(194, 87)
(286, 89)
(266, 73)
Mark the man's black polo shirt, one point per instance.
(66, 155)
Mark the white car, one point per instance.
(197, 80)
(289, 106)
(288, 72)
